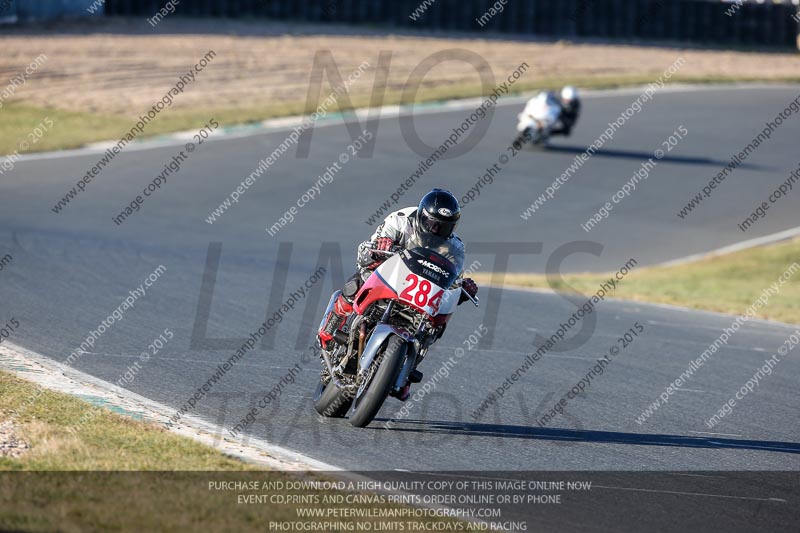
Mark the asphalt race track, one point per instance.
(71, 270)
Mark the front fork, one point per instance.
(408, 366)
(378, 339)
(326, 316)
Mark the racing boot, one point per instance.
(331, 331)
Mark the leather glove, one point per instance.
(470, 287)
(382, 243)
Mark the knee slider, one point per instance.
(350, 289)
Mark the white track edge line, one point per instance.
(735, 247)
(56, 376)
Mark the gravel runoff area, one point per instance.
(10, 445)
(123, 65)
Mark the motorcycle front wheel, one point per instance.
(523, 138)
(372, 393)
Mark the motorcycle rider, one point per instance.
(570, 110)
(437, 213)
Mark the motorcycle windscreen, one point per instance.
(446, 255)
(427, 264)
(443, 248)
(422, 279)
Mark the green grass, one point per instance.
(106, 441)
(68, 481)
(728, 283)
(72, 129)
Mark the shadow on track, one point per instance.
(609, 437)
(643, 156)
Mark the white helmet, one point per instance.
(569, 93)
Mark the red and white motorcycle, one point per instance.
(399, 312)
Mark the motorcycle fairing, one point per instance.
(392, 278)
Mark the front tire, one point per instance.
(524, 138)
(367, 405)
(331, 401)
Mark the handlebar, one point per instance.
(386, 252)
(475, 301)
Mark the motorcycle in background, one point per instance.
(536, 121)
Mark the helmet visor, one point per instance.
(436, 227)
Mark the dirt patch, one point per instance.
(124, 66)
(10, 445)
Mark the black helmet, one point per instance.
(438, 214)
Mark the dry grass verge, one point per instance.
(99, 76)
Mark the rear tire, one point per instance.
(331, 401)
(367, 406)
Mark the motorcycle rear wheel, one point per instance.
(368, 403)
